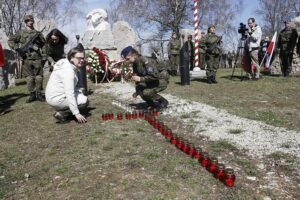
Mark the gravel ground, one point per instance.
(256, 137)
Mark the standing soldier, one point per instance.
(286, 43)
(190, 47)
(148, 76)
(230, 58)
(202, 51)
(211, 45)
(33, 57)
(174, 53)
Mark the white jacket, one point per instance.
(62, 85)
(253, 40)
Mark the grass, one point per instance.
(273, 99)
(236, 131)
(107, 160)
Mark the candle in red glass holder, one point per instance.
(141, 114)
(111, 116)
(197, 154)
(204, 159)
(212, 166)
(155, 123)
(134, 115)
(168, 133)
(179, 143)
(191, 149)
(220, 171)
(185, 147)
(146, 116)
(104, 117)
(128, 115)
(173, 139)
(154, 112)
(161, 127)
(229, 177)
(120, 116)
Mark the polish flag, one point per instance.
(270, 50)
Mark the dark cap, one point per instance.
(28, 18)
(126, 51)
(211, 25)
(190, 36)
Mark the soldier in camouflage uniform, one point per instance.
(211, 46)
(149, 76)
(286, 43)
(202, 51)
(174, 53)
(34, 60)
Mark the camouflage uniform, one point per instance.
(54, 53)
(34, 61)
(212, 55)
(286, 43)
(174, 51)
(154, 79)
(202, 53)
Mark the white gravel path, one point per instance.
(256, 137)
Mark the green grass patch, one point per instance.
(236, 131)
(247, 165)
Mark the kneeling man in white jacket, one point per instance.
(63, 91)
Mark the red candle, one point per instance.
(120, 116)
(179, 143)
(229, 177)
(111, 116)
(220, 171)
(155, 123)
(197, 153)
(174, 139)
(161, 128)
(185, 147)
(204, 159)
(154, 112)
(212, 166)
(104, 117)
(191, 149)
(128, 115)
(141, 114)
(134, 115)
(168, 133)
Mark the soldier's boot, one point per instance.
(213, 79)
(31, 98)
(163, 103)
(40, 96)
(61, 118)
(209, 81)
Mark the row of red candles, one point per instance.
(226, 175)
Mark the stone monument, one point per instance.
(100, 35)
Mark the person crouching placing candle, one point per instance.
(149, 76)
(64, 92)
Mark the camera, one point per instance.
(242, 30)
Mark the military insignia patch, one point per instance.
(150, 70)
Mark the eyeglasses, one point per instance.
(79, 58)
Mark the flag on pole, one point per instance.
(270, 50)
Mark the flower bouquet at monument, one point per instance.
(101, 68)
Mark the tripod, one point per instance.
(239, 53)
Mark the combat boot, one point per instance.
(40, 96)
(31, 98)
(163, 103)
(213, 79)
(61, 119)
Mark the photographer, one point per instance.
(252, 43)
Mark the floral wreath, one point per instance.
(99, 65)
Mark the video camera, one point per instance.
(242, 30)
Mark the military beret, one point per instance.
(28, 17)
(126, 51)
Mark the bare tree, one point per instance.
(274, 12)
(60, 11)
(159, 17)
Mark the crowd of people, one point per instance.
(65, 91)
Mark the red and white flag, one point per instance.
(270, 50)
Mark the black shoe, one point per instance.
(255, 79)
(209, 81)
(163, 103)
(31, 98)
(40, 96)
(60, 118)
(213, 80)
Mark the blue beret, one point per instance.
(126, 51)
